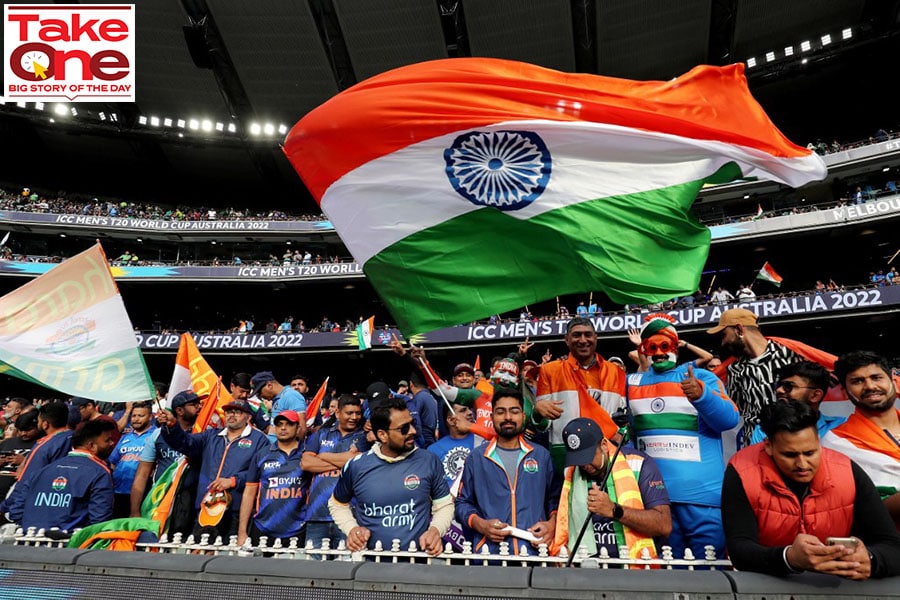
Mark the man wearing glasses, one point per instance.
(399, 489)
(679, 414)
(805, 382)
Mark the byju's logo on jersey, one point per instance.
(69, 52)
(505, 169)
(411, 482)
(59, 484)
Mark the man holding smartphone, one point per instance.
(785, 499)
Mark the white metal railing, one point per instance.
(527, 556)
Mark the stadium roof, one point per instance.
(271, 61)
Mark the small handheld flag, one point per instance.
(364, 333)
(767, 273)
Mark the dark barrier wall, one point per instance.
(62, 574)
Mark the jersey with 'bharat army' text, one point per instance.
(393, 500)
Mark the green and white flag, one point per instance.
(68, 330)
(364, 333)
(472, 186)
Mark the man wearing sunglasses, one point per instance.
(804, 382)
(679, 414)
(399, 489)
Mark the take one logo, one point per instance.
(530, 465)
(69, 52)
(411, 482)
(59, 484)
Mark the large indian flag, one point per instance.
(472, 186)
(68, 330)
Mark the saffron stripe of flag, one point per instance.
(312, 409)
(192, 372)
(68, 330)
(767, 273)
(523, 183)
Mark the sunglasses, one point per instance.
(790, 385)
(403, 429)
(664, 347)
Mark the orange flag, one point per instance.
(478, 362)
(193, 372)
(312, 409)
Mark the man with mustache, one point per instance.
(784, 498)
(508, 482)
(757, 360)
(399, 488)
(871, 435)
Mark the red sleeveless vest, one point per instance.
(826, 511)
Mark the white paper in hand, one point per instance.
(522, 534)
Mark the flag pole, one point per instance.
(712, 281)
(436, 384)
(557, 304)
(894, 256)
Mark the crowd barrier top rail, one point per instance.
(32, 561)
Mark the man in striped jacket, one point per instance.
(679, 414)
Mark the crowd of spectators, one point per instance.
(502, 458)
(28, 200)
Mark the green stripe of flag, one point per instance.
(643, 247)
(109, 378)
(667, 421)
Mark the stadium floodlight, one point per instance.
(154, 121)
(167, 122)
(194, 124)
(180, 123)
(805, 46)
(826, 39)
(114, 117)
(255, 129)
(846, 33)
(39, 105)
(206, 125)
(142, 120)
(181, 135)
(102, 116)
(788, 50)
(232, 128)
(770, 56)
(220, 126)
(751, 62)
(21, 104)
(269, 129)
(804, 61)
(282, 129)
(885, 170)
(74, 111)
(61, 110)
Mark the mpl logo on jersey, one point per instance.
(69, 52)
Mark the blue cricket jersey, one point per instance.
(393, 499)
(280, 500)
(322, 485)
(75, 491)
(126, 457)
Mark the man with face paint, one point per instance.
(871, 435)
(678, 416)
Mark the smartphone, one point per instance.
(847, 542)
